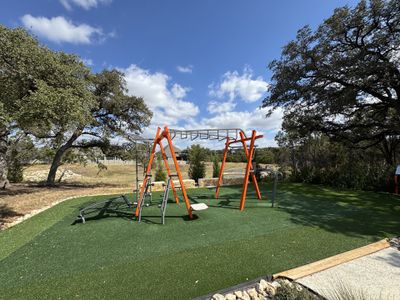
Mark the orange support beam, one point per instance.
(221, 171)
(165, 158)
(253, 176)
(178, 171)
(248, 166)
(148, 170)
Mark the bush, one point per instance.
(160, 174)
(197, 169)
(15, 171)
(216, 167)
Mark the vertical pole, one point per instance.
(178, 171)
(253, 176)
(275, 187)
(165, 158)
(221, 171)
(396, 186)
(248, 166)
(146, 176)
(137, 173)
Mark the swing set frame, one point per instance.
(231, 135)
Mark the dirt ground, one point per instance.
(31, 195)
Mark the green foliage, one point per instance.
(343, 79)
(316, 159)
(197, 155)
(21, 152)
(216, 166)
(160, 174)
(264, 156)
(293, 291)
(54, 97)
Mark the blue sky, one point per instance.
(196, 63)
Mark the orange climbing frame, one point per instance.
(249, 152)
(158, 141)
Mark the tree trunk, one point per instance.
(51, 177)
(3, 162)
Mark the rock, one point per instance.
(298, 287)
(204, 182)
(243, 295)
(230, 297)
(218, 297)
(276, 284)
(261, 286)
(270, 289)
(253, 294)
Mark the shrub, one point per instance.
(216, 167)
(160, 174)
(197, 155)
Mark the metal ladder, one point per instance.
(147, 192)
(163, 206)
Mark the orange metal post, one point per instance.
(146, 177)
(165, 158)
(248, 166)
(221, 171)
(253, 176)
(178, 171)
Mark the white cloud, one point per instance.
(85, 4)
(187, 69)
(166, 101)
(216, 107)
(242, 86)
(59, 30)
(245, 120)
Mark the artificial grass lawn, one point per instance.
(47, 257)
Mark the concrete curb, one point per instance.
(333, 261)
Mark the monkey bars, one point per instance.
(231, 135)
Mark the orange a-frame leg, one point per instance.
(146, 177)
(248, 166)
(165, 158)
(221, 171)
(178, 171)
(253, 176)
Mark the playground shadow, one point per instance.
(110, 208)
(112, 214)
(151, 219)
(351, 213)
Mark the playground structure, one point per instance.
(231, 135)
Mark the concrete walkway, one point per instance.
(374, 276)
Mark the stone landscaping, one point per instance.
(41, 175)
(264, 290)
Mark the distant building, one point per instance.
(180, 155)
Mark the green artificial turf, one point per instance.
(46, 257)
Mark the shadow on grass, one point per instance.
(353, 213)
(6, 213)
(16, 189)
